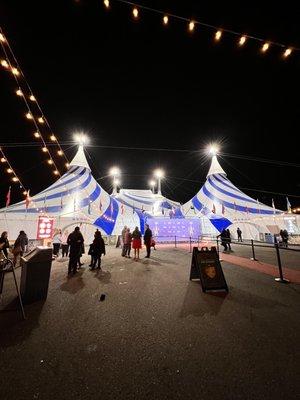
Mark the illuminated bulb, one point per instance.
(59, 152)
(55, 172)
(218, 35)
(265, 47)
(19, 92)
(3, 159)
(41, 120)
(25, 193)
(29, 116)
(67, 165)
(44, 149)
(15, 71)
(53, 138)
(50, 162)
(31, 97)
(242, 40)
(287, 53)
(15, 179)
(2, 38)
(106, 3)
(135, 12)
(9, 170)
(36, 134)
(166, 19)
(191, 26)
(4, 64)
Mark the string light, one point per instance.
(9, 171)
(4, 64)
(50, 161)
(67, 165)
(36, 134)
(60, 152)
(2, 159)
(19, 92)
(56, 172)
(2, 38)
(165, 19)
(53, 138)
(15, 179)
(32, 98)
(25, 193)
(242, 40)
(265, 47)
(44, 149)
(135, 12)
(41, 120)
(15, 71)
(218, 35)
(29, 116)
(287, 52)
(191, 26)
(106, 3)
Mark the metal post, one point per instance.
(198, 241)
(253, 252)
(175, 242)
(190, 244)
(218, 250)
(281, 278)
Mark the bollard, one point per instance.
(190, 244)
(281, 279)
(253, 252)
(175, 242)
(198, 241)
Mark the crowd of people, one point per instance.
(133, 240)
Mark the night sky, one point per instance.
(140, 84)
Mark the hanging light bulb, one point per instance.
(50, 161)
(25, 193)
(135, 12)
(60, 152)
(218, 35)
(55, 172)
(242, 40)
(53, 138)
(15, 179)
(106, 3)
(19, 92)
(9, 171)
(36, 134)
(67, 165)
(165, 20)
(2, 38)
(2, 159)
(44, 149)
(29, 115)
(265, 47)
(191, 26)
(15, 71)
(32, 98)
(287, 52)
(41, 120)
(4, 64)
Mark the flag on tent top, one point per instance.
(100, 205)
(122, 209)
(213, 209)
(61, 202)
(258, 207)
(143, 208)
(288, 205)
(223, 209)
(8, 197)
(273, 206)
(89, 207)
(234, 203)
(247, 209)
(27, 200)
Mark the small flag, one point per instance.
(223, 209)
(162, 211)
(258, 207)
(247, 209)
(273, 206)
(122, 209)
(133, 210)
(100, 205)
(234, 206)
(27, 200)
(61, 202)
(111, 207)
(8, 197)
(288, 205)
(213, 209)
(89, 207)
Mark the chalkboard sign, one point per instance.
(206, 266)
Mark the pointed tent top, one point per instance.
(80, 160)
(215, 167)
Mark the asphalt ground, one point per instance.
(155, 336)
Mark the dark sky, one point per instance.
(139, 84)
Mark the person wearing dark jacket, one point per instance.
(223, 236)
(20, 246)
(228, 239)
(97, 249)
(75, 241)
(4, 244)
(148, 240)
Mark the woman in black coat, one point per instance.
(97, 249)
(4, 244)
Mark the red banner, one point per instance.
(45, 227)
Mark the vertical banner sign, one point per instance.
(45, 227)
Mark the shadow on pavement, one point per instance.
(73, 283)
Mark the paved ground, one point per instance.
(156, 335)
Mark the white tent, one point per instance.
(75, 199)
(220, 204)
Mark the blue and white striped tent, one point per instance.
(75, 199)
(220, 204)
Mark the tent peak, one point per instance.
(215, 167)
(80, 160)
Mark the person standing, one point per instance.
(98, 249)
(128, 240)
(285, 238)
(20, 246)
(123, 234)
(223, 236)
(147, 240)
(228, 239)
(239, 235)
(56, 242)
(136, 243)
(64, 244)
(4, 243)
(75, 241)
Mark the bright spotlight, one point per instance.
(114, 171)
(152, 183)
(117, 182)
(81, 138)
(213, 149)
(159, 173)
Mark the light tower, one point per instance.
(159, 174)
(115, 173)
(152, 184)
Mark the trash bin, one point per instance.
(35, 275)
(269, 238)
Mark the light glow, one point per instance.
(191, 26)
(159, 173)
